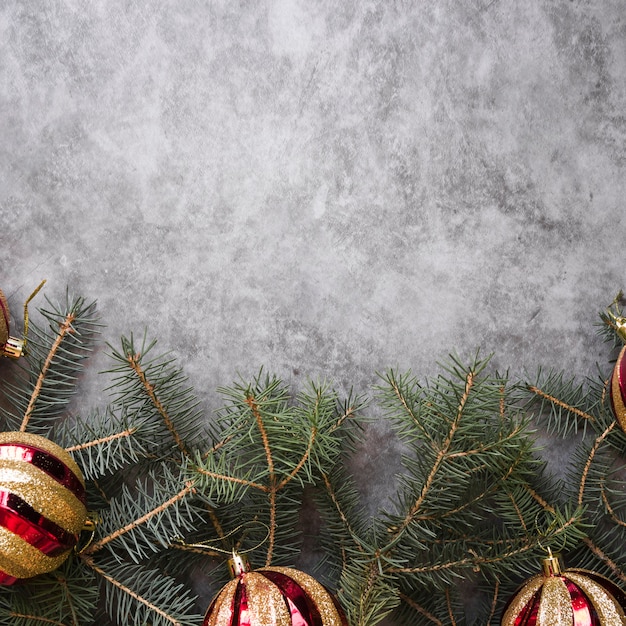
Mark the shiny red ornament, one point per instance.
(273, 596)
(618, 389)
(42, 505)
(570, 597)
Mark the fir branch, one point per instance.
(135, 524)
(254, 407)
(609, 507)
(152, 607)
(271, 491)
(420, 609)
(348, 413)
(405, 388)
(213, 449)
(67, 596)
(541, 501)
(494, 602)
(559, 403)
(64, 329)
(134, 361)
(232, 479)
(449, 607)
(565, 404)
(41, 392)
(615, 569)
(294, 472)
(141, 596)
(440, 457)
(216, 523)
(342, 515)
(367, 594)
(24, 618)
(473, 560)
(594, 449)
(103, 440)
(155, 390)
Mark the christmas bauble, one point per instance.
(273, 596)
(42, 505)
(570, 597)
(618, 389)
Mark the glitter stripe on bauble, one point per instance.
(570, 597)
(273, 596)
(42, 505)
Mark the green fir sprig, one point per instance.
(473, 510)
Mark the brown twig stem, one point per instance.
(64, 329)
(420, 609)
(134, 360)
(619, 573)
(271, 490)
(560, 403)
(98, 545)
(88, 561)
(596, 445)
(441, 456)
(96, 442)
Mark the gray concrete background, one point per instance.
(326, 189)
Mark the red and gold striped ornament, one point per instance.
(42, 505)
(570, 597)
(618, 377)
(618, 389)
(272, 596)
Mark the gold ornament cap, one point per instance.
(552, 565)
(13, 348)
(618, 321)
(620, 327)
(238, 564)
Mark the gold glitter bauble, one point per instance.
(42, 505)
(559, 597)
(274, 596)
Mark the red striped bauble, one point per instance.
(618, 389)
(570, 597)
(273, 596)
(42, 505)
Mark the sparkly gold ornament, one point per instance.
(570, 597)
(12, 346)
(272, 596)
(42, 505)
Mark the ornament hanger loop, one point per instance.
(32, 295)
(551, 531)
(90, 525)
(210, 544)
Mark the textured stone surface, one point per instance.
(326, 189)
